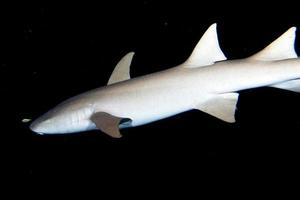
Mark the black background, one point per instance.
(50, 52)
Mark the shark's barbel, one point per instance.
(206, 81)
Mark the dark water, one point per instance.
(52, 52)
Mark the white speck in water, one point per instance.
(26, 120)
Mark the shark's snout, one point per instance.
(37, 127)
(43, 124)
(61, 121)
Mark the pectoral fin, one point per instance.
(222, 106)
(107, 123)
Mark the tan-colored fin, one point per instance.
(222, 106)
(282, 48)
(107, 123)
(292, 85)
(122, 70)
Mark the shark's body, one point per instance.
(205, 82)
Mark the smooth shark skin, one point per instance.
(206, 81)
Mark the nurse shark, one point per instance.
(206, 81)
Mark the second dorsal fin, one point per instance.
(282, 48)
(207, 51)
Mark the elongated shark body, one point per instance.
(206, 81)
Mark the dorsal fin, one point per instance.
(122, 70)
(282, 48)
(207, 51)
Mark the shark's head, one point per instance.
(68, 117)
